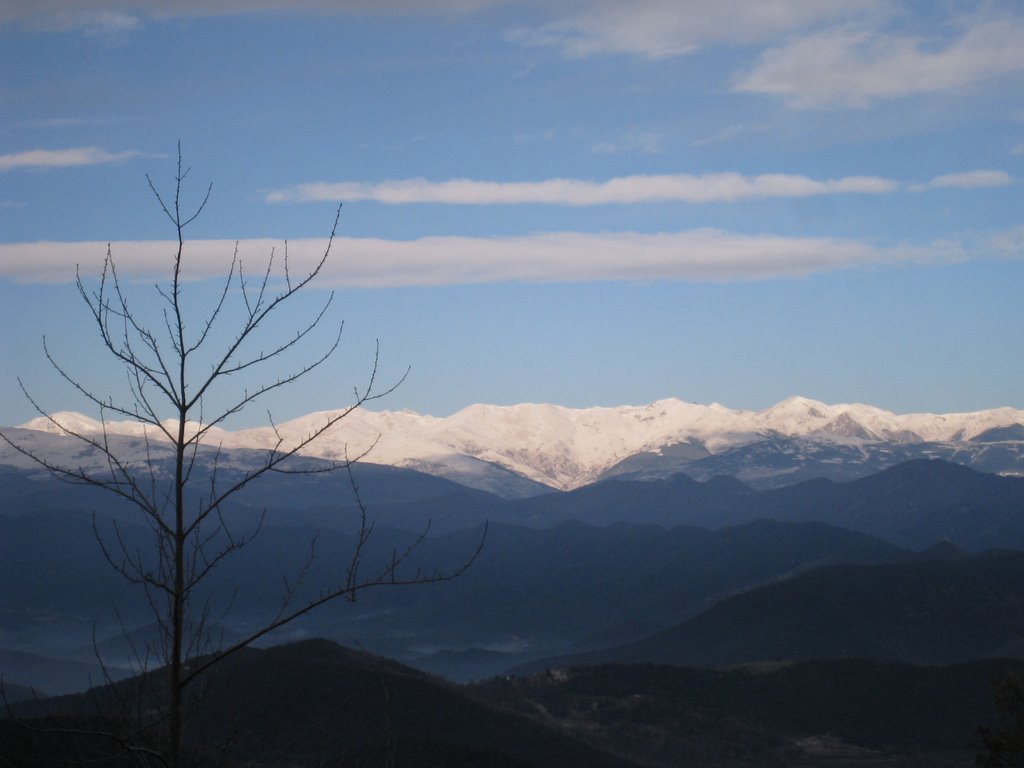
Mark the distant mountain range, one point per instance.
(913, 504)
(523, 450)
(595, 567)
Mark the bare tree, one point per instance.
(174, 366)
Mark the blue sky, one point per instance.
(584, 202)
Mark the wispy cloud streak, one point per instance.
(660, 29)
(852, 67)
(716, 187)
(62, 158)
(708, 255)
(125, 15)
(967, 180)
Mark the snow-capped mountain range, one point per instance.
(510, 449)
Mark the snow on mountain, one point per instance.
(69, 422)
(566, 447)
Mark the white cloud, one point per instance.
(110, 23)
(645, 142)
(100, 19)
(715, 187)
(696, 255)
(659, 29)
(62, 158)
(967, 180)
(67, 122)
(1009, 244)
(853, 67)
(118, 16)
(731, 132)
(649, 28)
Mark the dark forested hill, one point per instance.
(315, 703)
(813, 713)
(931, 611)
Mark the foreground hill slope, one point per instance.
(314, 703)
(812, 713)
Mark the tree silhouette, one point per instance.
(174, 367)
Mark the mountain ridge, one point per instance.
(564, 448)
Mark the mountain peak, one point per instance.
(796, 402)
(844, 425)
(62, 422)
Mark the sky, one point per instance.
(581, 202)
